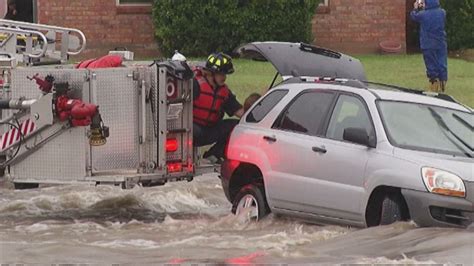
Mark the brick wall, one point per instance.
(105, 24)
(353, 26)
(358, 26)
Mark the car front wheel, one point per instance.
(251, 200)
(394, 209)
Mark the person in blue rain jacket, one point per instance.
(432, 20)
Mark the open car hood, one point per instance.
(299, 59)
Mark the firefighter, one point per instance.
(432, 20)
(212, 98)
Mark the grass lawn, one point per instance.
(403, 70)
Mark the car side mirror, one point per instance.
(359, 136)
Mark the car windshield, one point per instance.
(428, 128)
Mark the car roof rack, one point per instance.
(327, 80)
(366, 85)
(441, 96)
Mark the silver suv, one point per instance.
(349, 152)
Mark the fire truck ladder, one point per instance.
(38, 44)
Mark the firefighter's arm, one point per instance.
(239, 113)
(232, 107)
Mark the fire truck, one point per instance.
(125, 126)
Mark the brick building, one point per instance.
(358, 26)
(354, 26)
(107, 24)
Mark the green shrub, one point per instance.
(459, 23)
(199, 27)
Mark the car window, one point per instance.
(349, 112)
(306, 113)
(428, 128)
(265, 106)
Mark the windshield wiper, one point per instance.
(443, 125)
(464, 122)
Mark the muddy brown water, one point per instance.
(191, 223)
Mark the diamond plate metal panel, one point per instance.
(61, 159)
(23, 87)
(175, 123)
(116, 93)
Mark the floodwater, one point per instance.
(191, 223)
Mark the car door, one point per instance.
(290, 182)
(340, 187)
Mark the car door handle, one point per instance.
(320, 149)
(270, 138)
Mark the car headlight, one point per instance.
(442, 182)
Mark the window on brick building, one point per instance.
(19, 10)
(134, 2)
(134, 6)
(323, 7)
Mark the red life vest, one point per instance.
(207, 109)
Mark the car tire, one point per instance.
(393, 209)
(252, 198)
(21, 186)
